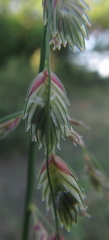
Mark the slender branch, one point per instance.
(33, 208)
(44, 219)
(10, 116)
(47, 63)
(31, 164)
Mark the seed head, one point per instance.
(35, 111)
(68, 22)
(69, 196)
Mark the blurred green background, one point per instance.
(86, 78)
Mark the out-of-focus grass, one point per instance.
(89, 103)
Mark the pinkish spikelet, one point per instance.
(55, 80)
(60, 165)
(67, 191)
(37, 83)
(36, 107)
(51, 158)
(14, 123)
(8, 126)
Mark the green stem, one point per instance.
(29, 189)
(43, 50)
(31, 164)
(47, 63)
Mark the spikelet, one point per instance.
(35, 111)
(69, 196)
(68, 23)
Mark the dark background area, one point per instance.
(21, 28)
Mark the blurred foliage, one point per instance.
(20, 33)
(99, 13)
(17, 38)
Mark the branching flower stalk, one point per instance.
(47, 115)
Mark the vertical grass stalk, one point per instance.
(31, 173)
(47, 65)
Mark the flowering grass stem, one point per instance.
(47, 64)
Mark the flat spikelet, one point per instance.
(69, 196)
(35, 111)
(69, 23)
